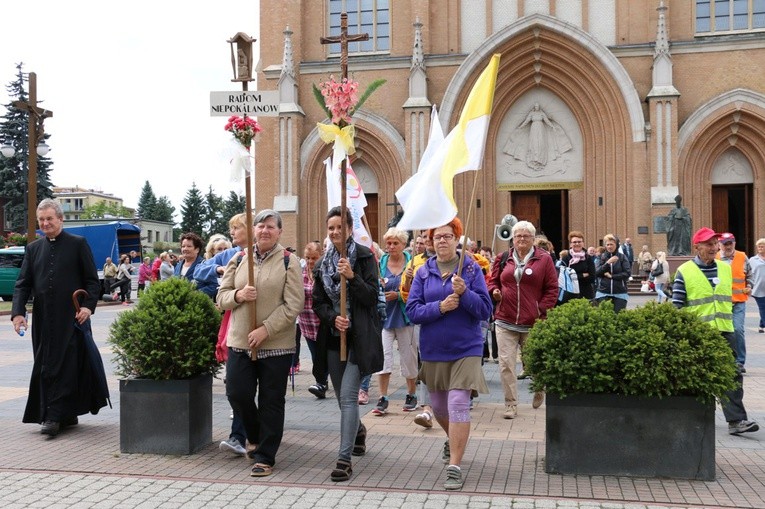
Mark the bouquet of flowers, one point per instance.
(339, 99)
(244, 129)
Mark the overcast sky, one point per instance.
(128, 84)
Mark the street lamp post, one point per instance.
(37, 146)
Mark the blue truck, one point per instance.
(110, 239)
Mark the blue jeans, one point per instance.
(346, 380)
(733, 409)
(739, 314)
(365, 382)
(761, 306)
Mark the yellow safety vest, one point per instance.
(713, 306)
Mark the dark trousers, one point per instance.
(266, 378)
(761, 307)
(733, 409)
(318, 375)
(296, 356)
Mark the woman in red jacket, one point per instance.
(524, 289)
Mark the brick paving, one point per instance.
(503, 464)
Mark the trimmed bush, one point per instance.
(169, 335)
(654, 350)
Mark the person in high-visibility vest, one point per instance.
(704, 286)
(743, 280)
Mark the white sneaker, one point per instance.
(233, 446)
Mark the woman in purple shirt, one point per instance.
(449, 306)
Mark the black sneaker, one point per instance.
(410, 405)
(382, 406)
(318, 390)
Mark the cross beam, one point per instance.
(344, 39)
(36, 134)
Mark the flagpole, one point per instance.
(343, 254)
(467, 222)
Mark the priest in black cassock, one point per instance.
(53, 268)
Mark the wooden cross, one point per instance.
(343, 39)
(37, 116)
(395, 204)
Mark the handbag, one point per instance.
(658, 271)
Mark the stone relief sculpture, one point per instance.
(679, 230)
(542, 142)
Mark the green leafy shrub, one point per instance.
(654, 350)
(169, 335)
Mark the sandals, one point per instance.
(342, 471)
(360, 444)
(261, 470)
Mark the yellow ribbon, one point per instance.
(332, 133)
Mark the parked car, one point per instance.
(10, 266)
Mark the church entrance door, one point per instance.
(547, 211)
(732, 212)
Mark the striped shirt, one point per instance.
(679, 295)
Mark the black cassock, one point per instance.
(52, 270)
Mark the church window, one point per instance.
(725, 16)
(364, 16)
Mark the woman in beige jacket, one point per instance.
(260, 355)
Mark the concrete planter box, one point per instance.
(165, 416)
(605, 434)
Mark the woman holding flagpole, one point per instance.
(450, 304)
(361, 324)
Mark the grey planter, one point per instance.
(605, 434)
(165, 416)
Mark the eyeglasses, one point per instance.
(726, 243)
(576, 241)
(522, 236)
(446, 236)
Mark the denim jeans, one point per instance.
(365, 382)
(346, 380)
(761, 306)
(739, 314)
(733, 409)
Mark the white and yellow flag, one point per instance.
(428, 196)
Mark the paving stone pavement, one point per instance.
(503, 465)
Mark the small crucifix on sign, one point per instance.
(343, 39)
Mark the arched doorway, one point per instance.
(732, 197)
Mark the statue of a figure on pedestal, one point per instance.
(679, 230)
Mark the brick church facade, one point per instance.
(604, 111)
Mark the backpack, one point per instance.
(503, 260)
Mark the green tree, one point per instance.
(146, 203)
(163, 210)
(214, 220)
(14, 171)
(101, 210)
(193, 211)
(234, 204)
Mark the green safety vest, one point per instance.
(714, 306)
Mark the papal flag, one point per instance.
(428, 196)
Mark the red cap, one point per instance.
(703, 235)
(727, 237)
